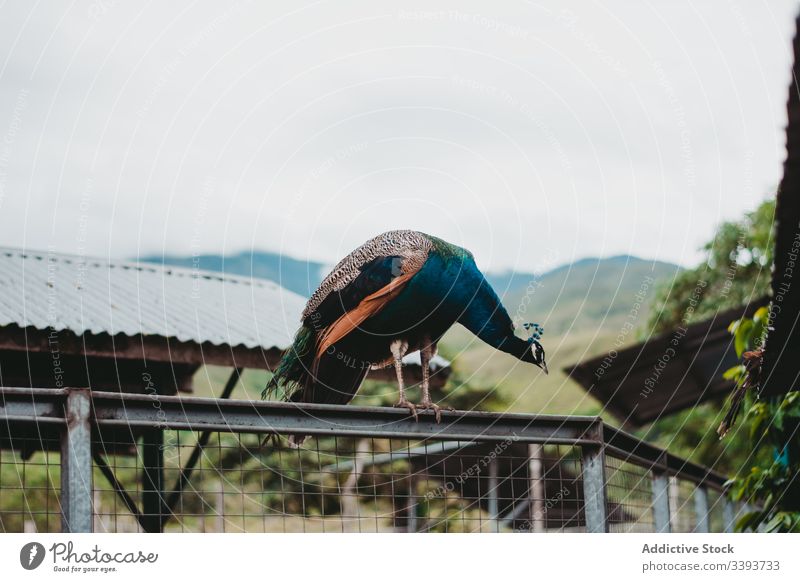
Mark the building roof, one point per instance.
(46, 290)
(667, 373)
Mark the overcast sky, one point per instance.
(527, 132)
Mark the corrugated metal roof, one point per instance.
(90, 295)
(694, 374)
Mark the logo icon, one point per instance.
(31, 555)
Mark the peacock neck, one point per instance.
(484, 315)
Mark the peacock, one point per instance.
(397, 293)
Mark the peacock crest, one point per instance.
(537, 331)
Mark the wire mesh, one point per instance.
(30, 477)
(681, 504)
(630, 496)
(244, 482)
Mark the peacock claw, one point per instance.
(411, 407)
(437, 410)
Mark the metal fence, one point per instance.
(79, 460)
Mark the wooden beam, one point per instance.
(139, 347)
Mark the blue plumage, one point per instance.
(396, 294)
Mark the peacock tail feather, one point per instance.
(295, 366)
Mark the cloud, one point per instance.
(512, 129)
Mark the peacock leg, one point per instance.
(425, 354)
(399, 349)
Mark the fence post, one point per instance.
(661, 510)
(728, 514)
(76, 463)
(492, 502)
(412, 504)
(536, 489)
(153, 503)
(676, 520)
(593, 458)
(701, 509)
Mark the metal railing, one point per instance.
(80, 460)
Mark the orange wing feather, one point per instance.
(368, 307)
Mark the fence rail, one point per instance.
(81, 460)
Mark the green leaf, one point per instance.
(747, 521)
(777, 420)
(734, 373)
(761, 315)
(757, 333)
(742, 337)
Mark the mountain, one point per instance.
(590, 291)
(297, 275)
(587, 307)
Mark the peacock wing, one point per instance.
(367, 308)
(372, 277)
(368, 268)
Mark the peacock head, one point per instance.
(535, 352)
